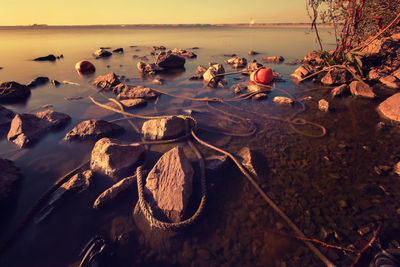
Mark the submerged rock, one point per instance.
(169, 184)
(168, 60)
(276, 59)
(237, 62)
(396, 168)
(102, 53)
(57, 119)
(9, 176)
(216, 163)
(107, 82)
(340, 90)
(38, 82)
(336, 76)
(112, 192)
(390, 108)
(323, 105)
(118, 50)
(6, 116)
(130, 92)
(134, 103)
(358, 88)
(165, 128)
(13, 91)
(252, 53)
(27, 129)
(283, 100)
(46, 58)
(254, 66)
(93, 130)
(114, 158)
(248, 160)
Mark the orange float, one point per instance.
(84, 67)
(262, 76)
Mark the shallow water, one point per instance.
(328, 184)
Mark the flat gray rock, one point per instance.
(169, 184)
(114, 158)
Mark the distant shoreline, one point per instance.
(242, 25)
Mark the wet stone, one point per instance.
(340, 90)
(80, 182)
(254, 66)
(13, 91)
(118, 50)
(275, 59)
(165, 128)
(38, 82)
(114, 158)
(390, 81)
(168, 60)
(213, 70)
(303, 71)
(169, 184)
(282, 100)
(396, 168)
(252, 53)
(46, 58)
(57, 119)
(93, 130)
(361, 89)
(27, 129)
(107, 82)
(148, 69)
(183, 53)
(130, 92)
(336, 76)
(323, 105)
(237, 62)
(102, 53)
(390, 108)
(260, 96)
(216, 163)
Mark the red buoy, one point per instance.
(84, 67)
(262, 76)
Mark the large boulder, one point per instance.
(336, 76)
(165, 128)
(358, 88)
(13, 91)
(114, 158)
(169, 185)
(27, 129)
(6, 116)
(237, 62)
(57, 119)
(107, 82)
(93, 130)
(9, 176)
(390, 108)
(168, 60)
(124, 91)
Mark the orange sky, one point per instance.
(89, 12)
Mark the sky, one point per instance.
(93, 12)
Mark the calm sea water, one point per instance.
(326, 185)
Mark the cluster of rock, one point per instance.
(379, 63)
(164, 61)
(111, 82)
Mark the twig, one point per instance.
(359, 254)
